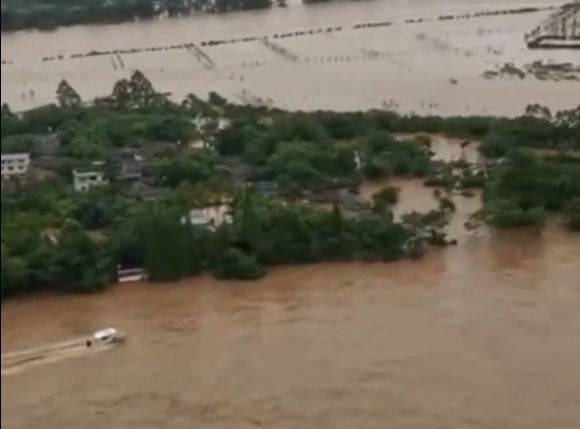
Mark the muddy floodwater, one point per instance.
(417, 63)
(482, 335)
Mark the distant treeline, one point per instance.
(50, 14)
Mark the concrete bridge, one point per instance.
(560, 31)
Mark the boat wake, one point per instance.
(18, 362)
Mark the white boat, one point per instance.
(106, 336)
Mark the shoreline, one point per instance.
(197, 14)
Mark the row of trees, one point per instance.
(307, 154)
(268, 233)
(160, 238)
(67, 260)
(50, 14)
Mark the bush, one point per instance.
(471, 180)
(18, 144)
(572, 214)
(80, 264)
(446, 204)
(385, 198)
(177, 168)
(405, 158)
(445, 180)
(497, 146)
(235, 264)
(507, 214)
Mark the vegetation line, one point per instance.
(136, 181)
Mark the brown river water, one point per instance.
(430, 66)
(482, 335)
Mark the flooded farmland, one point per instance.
(410, 56)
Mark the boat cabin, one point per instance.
(106, 336)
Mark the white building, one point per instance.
(16, 164)
(83, 181)
(211, 217)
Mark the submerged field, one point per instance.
(397, 55)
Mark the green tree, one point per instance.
(236, 264)
(380, 238)
(177, 168)
(572, 213)
(14, 274)
(67, 97)
(142, 91)
(504, 213)
(6, 111)
(385, 198)
(251, 233)
(217, 100)
(79, 264)
(289, 238)
(497, 146)
(171, 251)
(121, 95)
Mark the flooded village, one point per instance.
(340, 214)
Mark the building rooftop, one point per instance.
(86, 172)
(15, 156)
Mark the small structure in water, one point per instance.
(131, 275)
